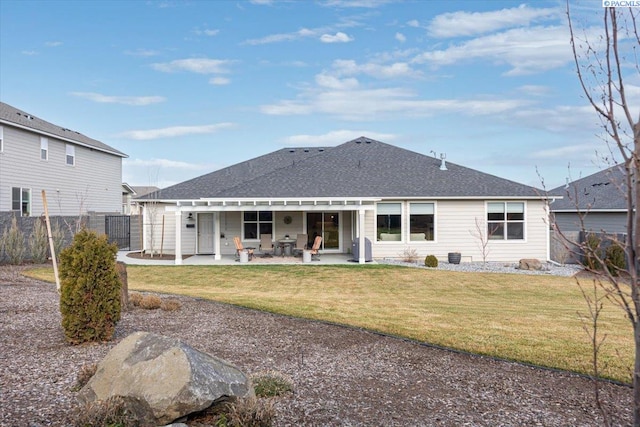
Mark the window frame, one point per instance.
(505, 221)
(433, 221)
(389, 221)
(1, 139)
(70, 153)
(21, 200)
(44, 149)
(258, 221)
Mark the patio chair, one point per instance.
(240, 248)
(301, 244)
(315, 255)
(266, 245)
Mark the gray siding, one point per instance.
(92, 185)
(611, 222)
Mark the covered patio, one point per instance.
(325, 259)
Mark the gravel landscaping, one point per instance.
(342, 376)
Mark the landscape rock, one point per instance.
(171, 377)
(530, 264)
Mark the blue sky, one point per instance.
(188, 87)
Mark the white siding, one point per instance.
(454, 232)
(93, 184)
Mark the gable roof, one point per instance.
(602, 191)
(13, 116)
(359, 168)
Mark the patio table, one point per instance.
(286, 246)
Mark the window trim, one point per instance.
(402, 225)
(70, 152)
(257, 222)
(21, 191)
(506, 221)
(1, 139)
(44, 149)
(435, 225)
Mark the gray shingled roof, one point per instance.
(604, 190)
(18, 117)
(359, 168)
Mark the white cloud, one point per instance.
(195, 65)
(174, 131)
(285, 37)
(374, 104)
(161, 163)
(339, 37)
(141, 52)
(349, 67)
(126, 100)
(526, 50)
(335, 137)
(332, 82)
(219, 81)
(414, 23)
(400, 37)
(461, 23)
(535, 90)
(53, 44)
(29, 52)
(211, 32)
(567, 152)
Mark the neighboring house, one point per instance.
(129, 192)
(78, 174)
(359, 192)
(594, 203)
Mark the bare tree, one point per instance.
(603, 66)
(482, 234)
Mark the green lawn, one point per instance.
(527, 318)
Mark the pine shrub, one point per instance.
(39, 242)
(431, 261)
(90, 289)
(13, 243)
(615, 259)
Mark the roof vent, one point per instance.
(292, 150)
(321, 149)
(306, 150)
(443, 164)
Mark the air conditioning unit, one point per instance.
(355, 250)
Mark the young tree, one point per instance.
(603, 66)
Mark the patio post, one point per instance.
(216, 242)
(361, 252)
(178, 237)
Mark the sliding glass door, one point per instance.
(327, 225)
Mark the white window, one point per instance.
(21, 200)
(257, 223)
(1, 139)
(505, 220)
(389, 222)
(44, 148)
(71, 155)
(421, 221)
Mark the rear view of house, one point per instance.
(78, 173)
(363, 196)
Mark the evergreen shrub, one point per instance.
(431, 261)
(90, 289)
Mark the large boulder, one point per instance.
(170, 377)
(530, 264)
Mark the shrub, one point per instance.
(90, 288)
(431, 261)
(84, 375)
(592, 251)
(410, 255)
(150, 302)
(249, 412)
(117, 411)
(271, 384)
(170, 305)
(135, 298)
(615, 259)
(39, 242)
(13, 243)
